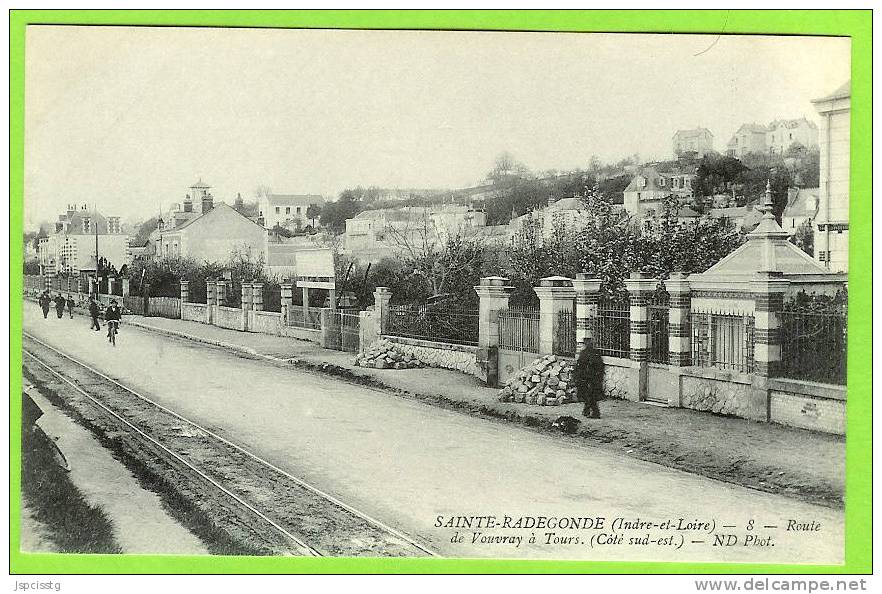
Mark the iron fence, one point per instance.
(814, 346)
(519, 329)
(565, 337)
(658, 325)
(435, 323)
(612, 328)
(344, 333)
(305, 317)
(723, 340)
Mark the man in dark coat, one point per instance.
(45, 302)
(70, 306)
(588, 375)
(94, 312)
(59, 305)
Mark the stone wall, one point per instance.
(195, 312)
(440, 354)
(267, 322)
(302, 333)
(820, 407)
(229, 317)
(715, 391)
(621, 378)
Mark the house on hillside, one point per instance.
(287, 210)
(649, 188)
(749, 138)
(782, 134)
(802, 206)
(699, 141)
(212, 236)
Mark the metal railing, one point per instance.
(435, 323)
(814, 346)
(519, 329)
(612, 328)
(722, 340)
(565, 336)
(309, 317)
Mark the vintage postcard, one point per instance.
(563, 296)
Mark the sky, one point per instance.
(126, 118)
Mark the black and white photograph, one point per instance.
(416, 293)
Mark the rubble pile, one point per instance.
(383, 355)
(547, 381)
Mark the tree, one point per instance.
(313, 211)
(334, 214)
(439, 266)
(804, 238)
(715, 174)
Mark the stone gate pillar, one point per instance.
(246, 297)
(556, 294)
(221, 289)
(679, 328)
(125, 286)
(768, 293)
(111, 281)
(257, 296)
(382, 297)
(587, 297)
(210, 292)
(493, 294)
(185, 291)
(640, 287)
(287, 300)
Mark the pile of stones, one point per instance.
(383, 355)
(547, 381)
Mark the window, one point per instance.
(87, 225)
(661, 182)
(287, 210)
(298, 210)
(278, 210)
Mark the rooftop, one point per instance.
(842, 92)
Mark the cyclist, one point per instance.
(112, 315)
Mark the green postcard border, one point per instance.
(856, 24)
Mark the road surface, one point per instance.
(408, 463)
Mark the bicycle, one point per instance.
(112, 327)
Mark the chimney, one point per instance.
(207, 202)
(188, 204)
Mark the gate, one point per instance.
(518, 340)
(344, 333)
(658, 325)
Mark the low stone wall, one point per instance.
(267, 322)
(440, 354)
(715, 390)
(808, 405)
(231, 318)
(302, 333)
(621, 378)
(194, 312)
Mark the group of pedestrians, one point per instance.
(46, 301)
(112, 315)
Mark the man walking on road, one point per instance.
(70, 306)
(588, 375)
(59, 305)
(44, 303)
(93, 313)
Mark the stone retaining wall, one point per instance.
(441, 354)
(808, 405)
(715, 391)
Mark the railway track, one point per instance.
(248, 497)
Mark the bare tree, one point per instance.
(436, 261)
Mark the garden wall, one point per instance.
(439, 354)
(267, 322)
(229, 317)
(808, 405)
(194, 312)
